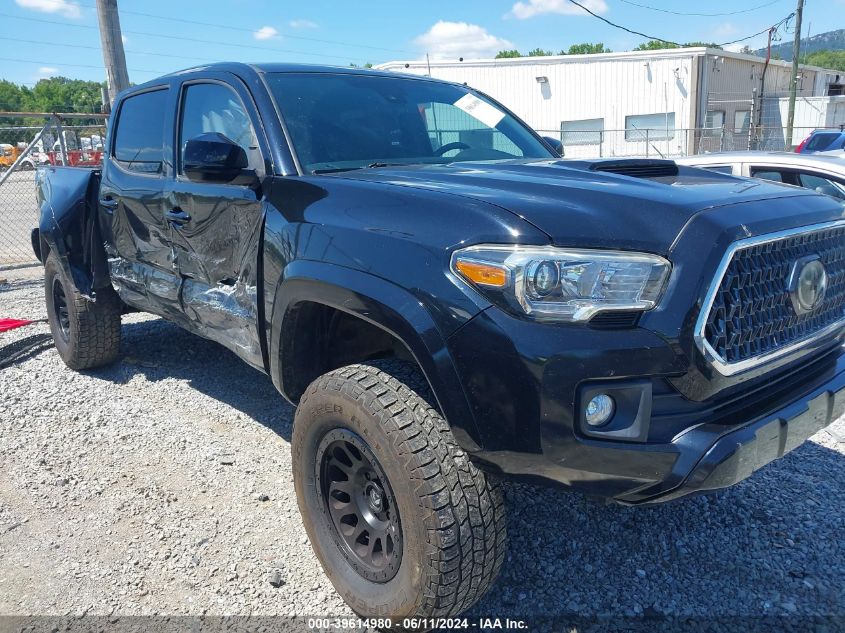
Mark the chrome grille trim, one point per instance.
(710, 354)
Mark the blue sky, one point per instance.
(59, 37)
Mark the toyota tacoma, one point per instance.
(448, 302)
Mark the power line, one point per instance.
(619, 26)
(97, 48)
(250, 31)
(705, 15)
(286, 35)
(100, 66)
(653, 37)
(181, 38)
(766, 30)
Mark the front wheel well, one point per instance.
(317, 338)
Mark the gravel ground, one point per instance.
(162, 485)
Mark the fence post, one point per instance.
(601, 143)
(62, 144)
(647, 142)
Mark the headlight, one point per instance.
(563, 284)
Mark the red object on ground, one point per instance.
(11, 324)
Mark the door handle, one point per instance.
(177, 217)
(108, 203)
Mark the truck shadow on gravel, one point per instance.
(771, 546)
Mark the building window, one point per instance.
(742, 120)
(582, 132)
(714, 121)
(654, 127)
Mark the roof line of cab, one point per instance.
(243, 69)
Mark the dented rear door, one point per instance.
(132, 199)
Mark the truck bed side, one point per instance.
(69, 226)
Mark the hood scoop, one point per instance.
(638, 168)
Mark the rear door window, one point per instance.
(139, 136)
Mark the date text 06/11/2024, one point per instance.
(481, 624)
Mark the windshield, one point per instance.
(349, 121)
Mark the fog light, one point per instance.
(599, 410)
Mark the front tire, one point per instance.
(86, 333)
(437, 523)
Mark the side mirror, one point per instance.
(554, 144)
(211, 157)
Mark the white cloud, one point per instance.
(525, 10)
(726, 29)
(265, 33)
(66, 8)
(48, 70)
(459, 39)
(302, 24)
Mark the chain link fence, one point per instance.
(673, 142)
(29, 142)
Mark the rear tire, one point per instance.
(444, 517)
(86, 333)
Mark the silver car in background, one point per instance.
(825, 174)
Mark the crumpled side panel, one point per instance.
(227, 314)
(142, 285)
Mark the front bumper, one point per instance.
(737, 454)
(525, 399)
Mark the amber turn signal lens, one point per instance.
(483, 274)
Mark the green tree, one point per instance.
(60, 94)
(539, 52)
(11, 97)
(835, 60)
(697, 44)
(654, 45)
(586, 49)
(508, 54)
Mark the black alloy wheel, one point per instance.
(360, 504)
(60, 308)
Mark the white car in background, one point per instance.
(822, 173)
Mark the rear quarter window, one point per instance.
(139, 135)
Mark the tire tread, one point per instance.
(464, 507)
(95, 339)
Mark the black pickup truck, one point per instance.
(447, 301)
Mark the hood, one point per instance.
(578, 202)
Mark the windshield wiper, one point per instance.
(331, 170)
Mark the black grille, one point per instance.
(614, 320)
(752, 313)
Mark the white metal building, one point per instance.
(670, 102)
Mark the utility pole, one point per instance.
(113, 56)
(793, 81)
